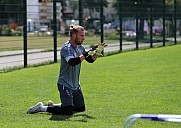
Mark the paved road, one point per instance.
(15, 58)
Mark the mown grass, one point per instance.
(9, 43)
(144, 81)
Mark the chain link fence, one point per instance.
(32, 32)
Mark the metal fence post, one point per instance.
(55, 29)
(120, 24)
(137, 29)
(151, 25)
(175, 22)
(25, 32)
(163, 23)
(80, 12)
(102, 20)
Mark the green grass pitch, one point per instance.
(143, 81)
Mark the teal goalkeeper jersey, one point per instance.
(69, 75)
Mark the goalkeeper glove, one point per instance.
(90, 52)
(100, 48)
(97, 49)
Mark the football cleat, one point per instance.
(35, 109)
(50, 103)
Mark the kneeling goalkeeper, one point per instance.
(72, 54)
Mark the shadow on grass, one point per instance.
(77, 117)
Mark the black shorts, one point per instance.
(71, 97)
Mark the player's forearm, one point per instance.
(91, 58)
(77, 60)
(74, 61)
(94, 57)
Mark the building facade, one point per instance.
(40, 15)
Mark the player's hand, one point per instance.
(91, 52)
(94, 48)
(100, 48)
(82, 57)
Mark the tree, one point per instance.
(74, 5)
(140, 8)
(94, 5)
(63, 4)
(11, 9)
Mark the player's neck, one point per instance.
(73, 43)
